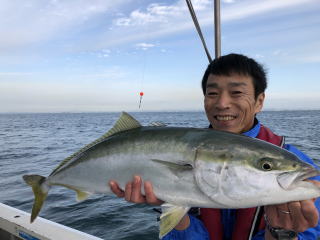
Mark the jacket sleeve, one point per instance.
(195, 231)
(311, 233)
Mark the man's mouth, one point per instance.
(224, 117)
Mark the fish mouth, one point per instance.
(290, 180)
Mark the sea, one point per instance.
(35, 143)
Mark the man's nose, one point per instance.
(223, 101)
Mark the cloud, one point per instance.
(14, 74)
(251, 8)
(111, 74)
(159, 13)
(307, 52)
(259, 56)
(145, 46)
(138, 17)
(159, 20)
(228, 1)
(104, 53)
(29, 22)
(35, 22)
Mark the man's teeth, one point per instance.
(225, 118)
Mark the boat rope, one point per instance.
(196, 23)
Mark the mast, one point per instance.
(217, 29)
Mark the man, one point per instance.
(234, 86)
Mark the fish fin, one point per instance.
(170, 217)
(157, 124)
(176, 166)
(81, 195)
(40, 191)
(125, 122)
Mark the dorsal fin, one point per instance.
(124, 123)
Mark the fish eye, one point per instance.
(266, 166)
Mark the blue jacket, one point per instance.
(197, 231)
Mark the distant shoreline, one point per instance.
(149, 111)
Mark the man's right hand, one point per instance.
(132, 192)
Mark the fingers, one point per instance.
(116, 189)
(310, 212)
(150, 196)
(128, 191)
(283, 211)
(277, 218)
(298, 221)
(132, 192)
(297, 216)
(315, 182)
(304, 215)
(136, 195)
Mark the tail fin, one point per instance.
(40, 191)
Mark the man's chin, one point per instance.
(226, 126)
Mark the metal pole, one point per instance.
(217, 29)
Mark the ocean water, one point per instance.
(36, 143)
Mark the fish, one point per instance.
(188, 167)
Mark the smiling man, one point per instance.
(233, 87)
(230, 102)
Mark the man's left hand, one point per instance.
(297, 216)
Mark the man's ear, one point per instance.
(259, 102)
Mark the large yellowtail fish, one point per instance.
(188, 167)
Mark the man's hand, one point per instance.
(132, 192)
(297, 216)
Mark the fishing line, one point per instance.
(144, 63)
(143, 75)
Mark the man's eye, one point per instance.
(236, 92)
(212, 93)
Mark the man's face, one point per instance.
(230, 103)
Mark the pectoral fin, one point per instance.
(170, 217)
(174, 165)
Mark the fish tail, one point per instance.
(40, 190)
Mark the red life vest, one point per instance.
(245, 218)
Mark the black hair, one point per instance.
(237, 64)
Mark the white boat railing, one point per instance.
(15, 224)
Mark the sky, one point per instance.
(98, 55)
